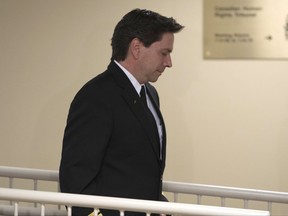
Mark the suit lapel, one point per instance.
(155, 103)
(133, 100)
(137, 108)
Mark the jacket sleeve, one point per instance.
(85, 140)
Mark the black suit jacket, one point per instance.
(108, 146)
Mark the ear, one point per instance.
(135, 47)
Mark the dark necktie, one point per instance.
(150, 116)
(143, 96)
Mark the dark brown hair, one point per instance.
(146, 25)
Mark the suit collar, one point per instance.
(155, 101)
(132, 98)
(129, 75)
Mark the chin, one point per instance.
(154, 80)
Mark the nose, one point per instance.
(168, 61)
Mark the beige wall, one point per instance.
(227, 121)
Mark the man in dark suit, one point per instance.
(115, 142)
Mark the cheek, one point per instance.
(152, 61)
(156, 60)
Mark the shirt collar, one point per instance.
(132, 79)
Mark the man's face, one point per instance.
(155, 58)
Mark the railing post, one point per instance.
(175, 197)
(69, 211)
(199, 197)
(223, 201)
(245, 204)
(270, 207)
(42, 210)
(16, 209)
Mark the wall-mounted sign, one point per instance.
(245, 29)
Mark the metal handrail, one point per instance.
(121, 204)
(228, 192)
(28, 173)
(168, 186)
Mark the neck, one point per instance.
(133, 70)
